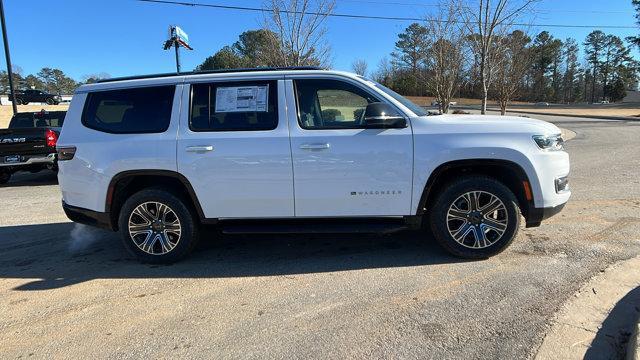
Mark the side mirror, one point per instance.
(383, 116)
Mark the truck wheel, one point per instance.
(475, 217)
(51, 101)
(4, 177)
(157, 227)
(19, 102)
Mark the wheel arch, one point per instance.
(507, 172)
(127, 183)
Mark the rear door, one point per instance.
(341, 168)
(233, 147)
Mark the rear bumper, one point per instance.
(535, 216)
(27, 160)
(88, 217)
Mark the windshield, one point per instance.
(417, 109)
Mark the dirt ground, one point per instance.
(6, 112)
(626, 109)
(631, 110)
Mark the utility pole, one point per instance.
(177, 38)
(8, 57)
(177, 47)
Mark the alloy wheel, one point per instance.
(477, 219)
(154, 228)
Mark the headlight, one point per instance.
(549, 142)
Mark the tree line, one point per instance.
(475, 49)
(538, 69)
(51, 80)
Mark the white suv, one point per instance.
(298, 150)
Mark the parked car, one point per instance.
(24, 97)
(298, 150)
(437, 103)
(29, 144)
(542, 103)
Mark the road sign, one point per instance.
(177, 38)
(180, 34)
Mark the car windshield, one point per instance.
(417, 109)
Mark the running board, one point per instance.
(312, 227)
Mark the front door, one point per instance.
(340, 168)
(233, 147)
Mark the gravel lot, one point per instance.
(67, 291)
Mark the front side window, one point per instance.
(129, 111)
(234, 106)
(331, 104)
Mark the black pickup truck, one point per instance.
(24, 97)
(29, 144)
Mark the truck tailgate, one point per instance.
(22, 141)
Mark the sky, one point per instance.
(125, 37)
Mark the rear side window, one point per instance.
(129, 111)
(237, 106)
(31, 120)
(22, 121)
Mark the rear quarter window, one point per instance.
(129, 111)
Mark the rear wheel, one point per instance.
(475, 218)
(19, 101)
(51, 101)
(157, 227)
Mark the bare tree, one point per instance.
(487, 20)
(385, 72)
(445, 58)
(515, 61)
(359, 66)
(299, 31)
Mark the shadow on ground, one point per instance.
(44, 177)
(50, 256)
(611, 340)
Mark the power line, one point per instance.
(372, 2)
(369, 17)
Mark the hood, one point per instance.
(485, 123)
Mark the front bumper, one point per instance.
(88, 217)
(536, 215)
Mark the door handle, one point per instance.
(200, 148)
(321, 146)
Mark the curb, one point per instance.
(600, 320)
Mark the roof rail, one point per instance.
(219, 71)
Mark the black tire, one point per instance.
(491, 243)
(5, 177)
(189, 234)
(19, 101)
(51, 101)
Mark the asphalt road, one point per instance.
(67, 291)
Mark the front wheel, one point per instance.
(51, 101)
(475, 218)
(157, 227)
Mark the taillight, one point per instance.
(52, 138)
(66, 153)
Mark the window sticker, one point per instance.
(242, 99)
